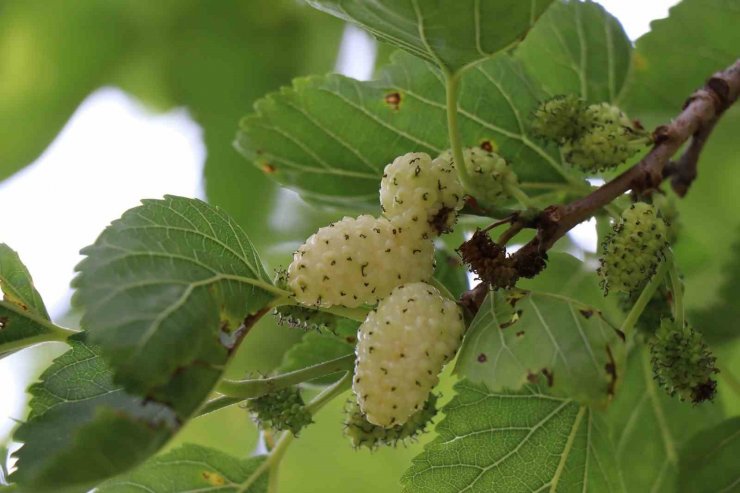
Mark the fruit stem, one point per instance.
(644, 298)
(452, 89)
(286, 438)
(249, 389)
(677, 291)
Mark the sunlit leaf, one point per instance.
(449, 34)
(522, 441)
(519, 336)
(578, 48)
(330, 137)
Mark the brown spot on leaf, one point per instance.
(268, 168)
(482, 358)
(213, 478)
(393, 99)
(586, 313)
(550, 376)
(520, 333)
(487, 146)
(514, 319)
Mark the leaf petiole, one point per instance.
(645, 297)
(251, 388)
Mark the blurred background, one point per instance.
(105, 103)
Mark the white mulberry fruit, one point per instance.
(421, 194)
(634, 249)
(402, 346)
(356, 261)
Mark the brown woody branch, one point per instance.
(700, 114)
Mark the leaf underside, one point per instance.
(451, 35)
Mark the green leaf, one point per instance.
(709, 461)
(17, 285)
(452, 35)
(83, 428)
(718, 322)
(649, 428)
(23, 317)
(166, 290)
(330, 137)
(698, 38)
(192, 468)
(523, 441)
(518, 335)
(317, 348)
(578, 48)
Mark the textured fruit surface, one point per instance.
(634, 249)
(358, 260)
(609, 139)
(559, 119)
(422, 194)
(402, 346)
(682, 362)
(492, 175)
(363, 433)
(280, 410)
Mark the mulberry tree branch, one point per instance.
(697, 119)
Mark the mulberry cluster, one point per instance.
(421, 194)
(280, 410)
(403, 343)
(363, 433)
(682, 362)
(633, 251)
(593, 138)
(401, 349)
(492, 176)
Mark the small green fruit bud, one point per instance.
(560, 119)
(280, 410)
(633, 251)
(682, 362)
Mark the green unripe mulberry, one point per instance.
(280, 410)
(560, 119)
(633, 251)
(492, 177)
(363, 433)
(682, 362)
(609, 139)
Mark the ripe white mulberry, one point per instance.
(492, 175)
(358, 260)
(402, 346)
(421, 194)
(634, 249)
